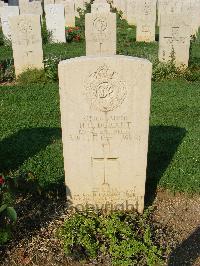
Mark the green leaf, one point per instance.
(3, 207)
(12, 214)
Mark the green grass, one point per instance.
(67, 50)
(31, 135)
(174, 160)
(30, 132)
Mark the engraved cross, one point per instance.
(105, 159)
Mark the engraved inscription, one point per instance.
(26, 34)
(104, 90)
(100, 24)
(99, 129)
(108, 199)
(100, 29)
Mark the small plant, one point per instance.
(163, 71)
(127, 238)
(7, 213)
(46, 35)
(32, 76)
(51, 67)
(73, 34)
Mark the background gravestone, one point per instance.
(100, 33)
(6, 13)
(24, 6)
(105, 105)
(26, 42)
(174, 40)
(98, 6)
(146, 20)
(69, 7)
(55, 22)
(131, 12)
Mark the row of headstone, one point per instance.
(175, 29)
(24, 31)
(55, 19)
(174, 39)
(35, 7)
(144, 14)
(100, 32)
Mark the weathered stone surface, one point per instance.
(105, 105)
(174, 40)
(26, 42)
(69, 7)
(100, 33)
(6, 13)
(132, 12)
(146, 21)
(48, 2)
(55, 22)
(24, 6)
(98, 6)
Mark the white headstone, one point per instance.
(100, 7)
(24, 6)
(105, 105)
(6, 13)
(174, 40)
(69, 13)
(48, 2)
(69, 7)
(100, 33)
(55, 22)
(26, 42)
(146, 21)
(131, 12)
(34, 7)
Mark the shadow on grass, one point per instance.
(17, 148)
(187, 252)
(163, 143)
(34, 210)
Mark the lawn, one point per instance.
(30, 135)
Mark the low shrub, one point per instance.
(32, 76)
(51, 67)
(163, 71)
(126, 238)
(73, 34)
